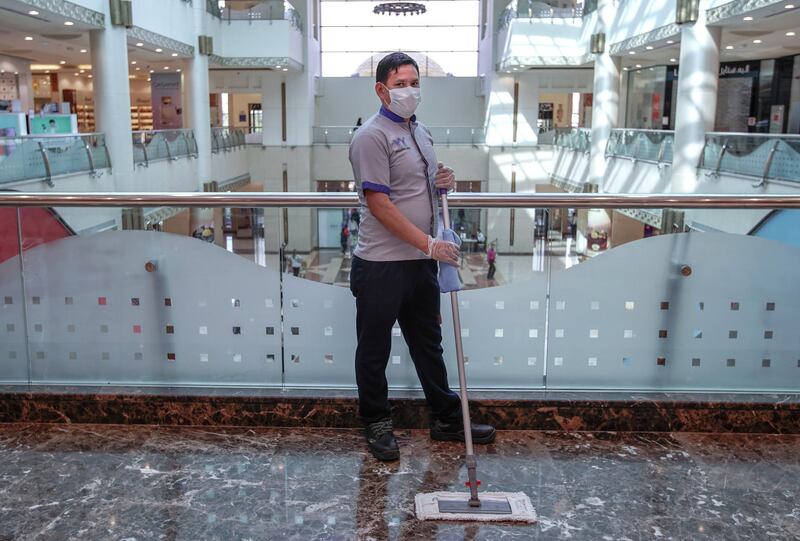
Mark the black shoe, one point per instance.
(454, 431)
(381, 440)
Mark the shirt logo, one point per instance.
(399, 143)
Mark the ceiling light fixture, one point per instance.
(673, 59)
(166, 67)
(159, 50)
(638, 65)
(133, 62)
(670, 42)
(748, 18)
(63, 62)
(756, 41)
(790, 33)
(28, 38)
(75, 74)
(138, 69)
(140, 44)
(729, 47)
(396, 8)
(178, 70)
(174, 54)
(285, 69)
(789, 6)
(90, 76)
(84, 51)
(33, 12)
(631, 52)
(68, 23)
(83, 71)
(649, 47)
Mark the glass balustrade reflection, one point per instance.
(155, 145)
(760, 156)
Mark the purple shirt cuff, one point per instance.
(375, 187)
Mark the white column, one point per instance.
(112, 95)
(528, 109)
(698, 79)
(199, 108)
(271, 109)
(605, 99)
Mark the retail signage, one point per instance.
(166, 98)
(53, 124)
(739, 69)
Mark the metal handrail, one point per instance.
(47, 169)
(343, 200)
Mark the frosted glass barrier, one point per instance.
(150, 146)
(163, 306)
(654, 314)
(457, 135)
(763, 156)
(13, 346)
(43, 157)
(654, 146)
(225, 139)
(579, 139)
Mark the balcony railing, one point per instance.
(651, 146)
(578, 139)
(532, 9)
(255, 10)
(651, 314)
(155, 145)
(48, 156)
(762, 157)
(227, 139)
(456, 135)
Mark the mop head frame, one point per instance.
(427, 507)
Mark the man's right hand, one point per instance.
(444, 251)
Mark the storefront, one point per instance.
(761, 96)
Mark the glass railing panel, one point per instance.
(502, 310)
(537, 9)
(166, 301)
(762, 156)
(257, 10)
(654, 146)
(457, 135)
(663, 319)
(47, 156)
(225, 139)
(579, 139)
(13, 344)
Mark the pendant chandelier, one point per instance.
(396, 8)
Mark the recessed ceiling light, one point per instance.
(649, 47)
(68, 23)
(28, 38)
(748, 18)
(729, 47)
(178, 70)
(133, 62)
(90, 76)
(16, 73)
(790, 33)
(152, 71)
(631, 52)
(670, 42)
(285, 69)
(47, 71)
(33, 12)
(673, 59)
(148, 79)
(277, 67)
(63, 62)
(83, 71)
(166, 67)
(84, 51)
(75, 74)
(137, 69)
(140, 44)
(756, 41)
(789, 6)
(159, 50)
(174, 54)
(131, 77)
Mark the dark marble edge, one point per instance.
(527, 398)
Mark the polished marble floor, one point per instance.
(70, 482)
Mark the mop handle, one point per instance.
(462, 377)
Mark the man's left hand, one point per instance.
(445, 178)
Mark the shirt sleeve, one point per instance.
(369, 156)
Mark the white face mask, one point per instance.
(404, 101)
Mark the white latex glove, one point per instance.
(441, 250)
(445, 178)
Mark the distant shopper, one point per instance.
(344, 237)
(297, 264)
(491, 257)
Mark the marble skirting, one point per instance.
(529, 410)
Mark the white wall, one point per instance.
(634, 18)
(542, 39)
(172, 19)
(446, 101)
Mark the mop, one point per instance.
(490, 506)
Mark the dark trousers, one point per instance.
(492, 269)
(406, 292)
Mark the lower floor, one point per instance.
(66, 482)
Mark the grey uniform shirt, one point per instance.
(394, 157)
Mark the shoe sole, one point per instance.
(385, 456)
(460, 437)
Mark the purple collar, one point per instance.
(396, 118)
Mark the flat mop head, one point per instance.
(495, 507)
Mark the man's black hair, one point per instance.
(391, 62)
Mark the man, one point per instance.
(394, 270)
